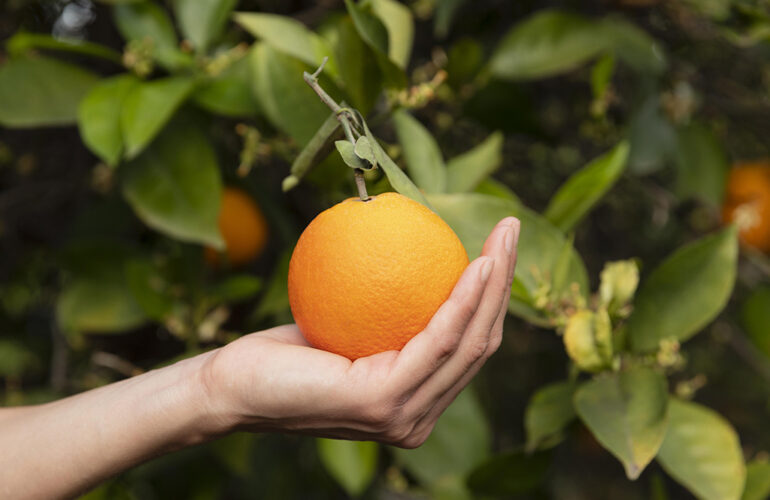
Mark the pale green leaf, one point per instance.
(397, 178)
(352, 463)
(287, 101)
(652, 138)
(548, 43)
(147, 21)
(22, 42)
(631, 45)
(399, 24)
(348, 154)
(578, 195)
(627, 413)
(460, 441)
(548, 413)
(701, 164)
(423, 156)
(375, 34)
(358, 69)
(175, 185)
(147, 108)
(313, 152)
(202, 21)
(99, 117)
(96, 298)
(702, 452)
(686, 292)
(466, 171)
(229, 93)
(38, 92)
(290, 37)
(473, 216)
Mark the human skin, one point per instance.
(270, 381)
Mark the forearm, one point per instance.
(63, 448)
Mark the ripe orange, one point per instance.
(243, 228)
(747, 203)
(365, 277)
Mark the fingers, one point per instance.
(475, 343)
(422, 355)
(497, 331)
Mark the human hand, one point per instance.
(275, 381)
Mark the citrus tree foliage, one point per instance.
(196, 95)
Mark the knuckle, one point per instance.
(476, 350)
(494, 343)
(445, 344)
(381, 415)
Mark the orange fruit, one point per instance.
(365, 277)
(747, 203)
(243, 227)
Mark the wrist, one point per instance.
(217, 416)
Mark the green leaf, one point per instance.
(38, 92)
(472, 216)
(235, 451)
(229, 93)
(352, 463)
(314, 151)
(652, 138)
(701, 164)
(466, 171)
(364, 150)
(702, 452)
(22, 42)
(397, 178)
(148, 21)
(493, 187)
(289, 36)
(578, 195)
(149, 288)
(509, 474)
(202, 21)
(99, 117)
(601, 75)
(348, 154)
(633, 46)
(548, 412)
(369, 26)
(399, 25)
(147, 108)
(375, 34)
(236, 288)
(446, 11)
(626, 412)
(287, 101)
(422, 154)
(97, 298)
(359, 72)
(275, 300)
(757, 480)
(175, 187)
(15, 358)
(464, 61)
(459, 442)
(756, 320)
(548, 43)
(685, 292)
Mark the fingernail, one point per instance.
(508, 241)
(486, 269)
